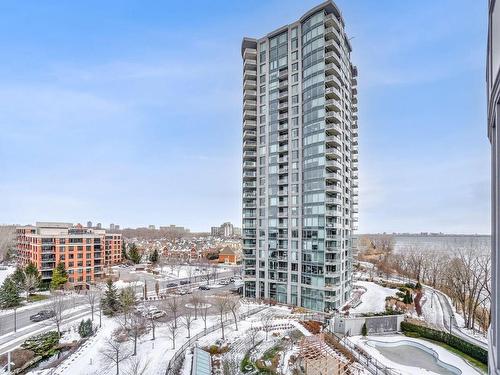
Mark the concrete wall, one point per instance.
(374, 324)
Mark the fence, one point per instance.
(370, 364)
(176, 361)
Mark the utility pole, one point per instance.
(451, 317)
(15, 319)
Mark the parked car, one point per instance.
(172, 285)
(184, 282)
(42, 315)
(224, 282)
(204, 287)
(155, 314)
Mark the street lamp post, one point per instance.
(15, 319)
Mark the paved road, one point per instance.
(449, 316)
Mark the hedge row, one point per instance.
(465, 347)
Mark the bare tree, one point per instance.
(127, 301)
(204, 306)
(172, 332)
(137, 366)
(187, 320)
(195, 299)
(93, 295)
(134, 326)
(7, 240)
(233, 304)
(221, 303)
(31, 282)
(267, 322)
(115, 352)
(252, 333)
(57, 304)
(214, 271)
(172, 307)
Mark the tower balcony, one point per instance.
(333, 93)
(333, 127)
(332, 151)
(249, 94)
(333, 139)
(249, 134)
(333, 105)
(332, 116)
(334, 164)
(249, 104)
(333, 189)
(250, 53)
(249, 114)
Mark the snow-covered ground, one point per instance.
(444, 355)
(9, 270)
(373, 300)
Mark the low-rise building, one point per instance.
(85, 252)
(229, 255)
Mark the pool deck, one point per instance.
(444, 355)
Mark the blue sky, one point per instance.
(130, 112)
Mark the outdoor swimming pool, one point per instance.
(414, 354)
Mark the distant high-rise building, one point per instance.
(98, 226)
(112, 226)
(84, 251)
(214, 231)
(300, 161)
(493, 87)
(89, 224)
(226, 230)
(152, 227)
(117, 227)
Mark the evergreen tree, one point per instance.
(110, 302)
(133, 254)
(59, 277)
(9, 294)
(364, 329)
(18, 276)
(85, 328)
(407, 298)
(31, 269)
(153, 258)
(124, 251)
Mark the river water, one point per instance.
(441, 242)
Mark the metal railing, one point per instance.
(175, 362)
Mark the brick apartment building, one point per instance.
(85, 252)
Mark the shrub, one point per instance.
(410, 285)
(465, 347)
(364, 330)
(85, 328)
(44, 344)
(401, 295)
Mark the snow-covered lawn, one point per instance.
(373, 300)
(444, 355)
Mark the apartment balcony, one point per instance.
(332, 30)
(249, 165)
(283, 214)
(334, 164)
(334, 117)
(250, 53)
(283, 106)
(333, 93)
(249, 104)
(250, 84)
(333, 57)
(249, 205)
(354, 158)
(249, 195)
(333, 105)
(249, 145)
(354, 107)
(354, 166)
(332, 200)
(334, 127)
(283, 192)
(249, 125)
(331, 20)
(332, 45)
(354, 175)
(354, 125)
(283, 170)
(283, 181)
(355, 149)
(354, 139)
(354, 116)
(283, 95)
(249, 134)
(336, 177)
(250, 75)
(354, 133)
(283, 116)
(249, 114)
(249, 94)
(283, 203)
(250, 214)
(283, 74)
(283, 148)
(334, 213)
(354, 99)
(354, 82)
(250, 64)
(249, 155)
(355, 211)
(354, 91)
(333, 189)
(283, 126)
(334, 139)
(333, 152)
(283, 138)
(283, 159)
(332, 74)
(354, 184)
(354, 192)
(249, 175)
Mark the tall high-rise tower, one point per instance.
(300, 162)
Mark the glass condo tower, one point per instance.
(300, 162)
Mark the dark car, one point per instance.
(185, 282)
(171, 285)
(204, 287)
(42, 315)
